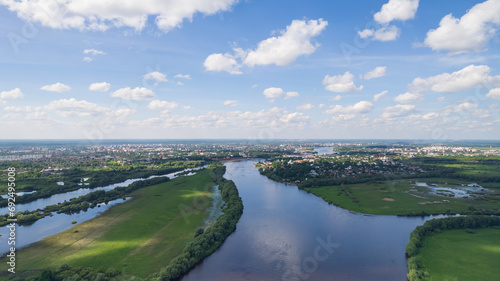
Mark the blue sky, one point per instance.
(249, 69)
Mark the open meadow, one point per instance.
(137, 238)
(460, 255)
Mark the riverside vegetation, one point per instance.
(159, 235)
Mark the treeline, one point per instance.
(463, 163)
(466, 160)
(328, 181)
(208, 240)
(300, 172)
(100, 178)
(82, 203)
(68, 273)
(415, 270)
(288, 172)
(477, 178)
(24, 218)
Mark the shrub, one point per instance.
(112, 272)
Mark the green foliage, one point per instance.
(48, 275)
(112, 272)
(67, 273)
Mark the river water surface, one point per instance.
(284, 234)
(288, 234)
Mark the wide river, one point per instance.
(288, 234)
(284, 234)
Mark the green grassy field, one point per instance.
(138, 237)
(393, 198)
(458, 255)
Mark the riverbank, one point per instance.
(137, 238)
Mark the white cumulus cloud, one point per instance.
(93, 52)
(336, 98)
(183, 76)
(231, 103)
(73, 107)
(396, 10)
(360, 107)
(222, 62)
(398, 110)
(57, 87)
(409, 97)
(379, 96)
(280, 50)
(155, 75)
(494, 94)
(100, 87)
(393, 10)
(472, 32)
(307, 106)
(464, 106)
(379, 71)
(289, 95)
(386, 33)
(341, 83)
(366, 33)
(295, 41)
(12, 94)
(162, 105)
(102, 15)
(274, 93)
(134, 94)
(458, 81)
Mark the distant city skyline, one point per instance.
(229, 69)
